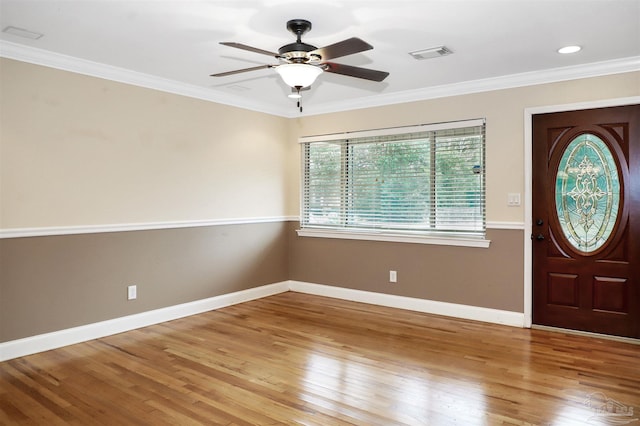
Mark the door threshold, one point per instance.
(587, 334)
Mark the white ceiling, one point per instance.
(174, 45)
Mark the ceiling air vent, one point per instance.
(21, 32)
(433, 52)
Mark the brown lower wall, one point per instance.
(53, 283)
(486, 277)
(56, 282)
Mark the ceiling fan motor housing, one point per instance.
(297, 52)
(296, 47)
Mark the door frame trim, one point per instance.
(528, 183)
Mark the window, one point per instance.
(425, 181)
(587, 193)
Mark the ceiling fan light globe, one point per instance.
(298, 75)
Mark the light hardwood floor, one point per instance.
(300, 359)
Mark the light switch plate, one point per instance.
(513, 199)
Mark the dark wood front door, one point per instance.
(586, 220)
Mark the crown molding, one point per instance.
(69, 63)
(59, 61)
(554, 75)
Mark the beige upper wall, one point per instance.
(504, 111)
(77, 150)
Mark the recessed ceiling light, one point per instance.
(569, 49)
(21, 32)
(294, 96)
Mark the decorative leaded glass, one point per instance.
(587, 193)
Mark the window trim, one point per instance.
(395, 237)
(460, 240)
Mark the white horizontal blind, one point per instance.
(420, 182)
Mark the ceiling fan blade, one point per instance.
(249, 48)
(366, 73)
(342, 48)
(259, 67)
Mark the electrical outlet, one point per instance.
(132, 292)
(393, 276)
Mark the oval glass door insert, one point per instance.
(587, 193)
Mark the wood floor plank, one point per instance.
(310, 360)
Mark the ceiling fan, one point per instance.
(301, 63)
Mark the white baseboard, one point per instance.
(495, 316)
(70, 336)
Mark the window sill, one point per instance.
(396, 238)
